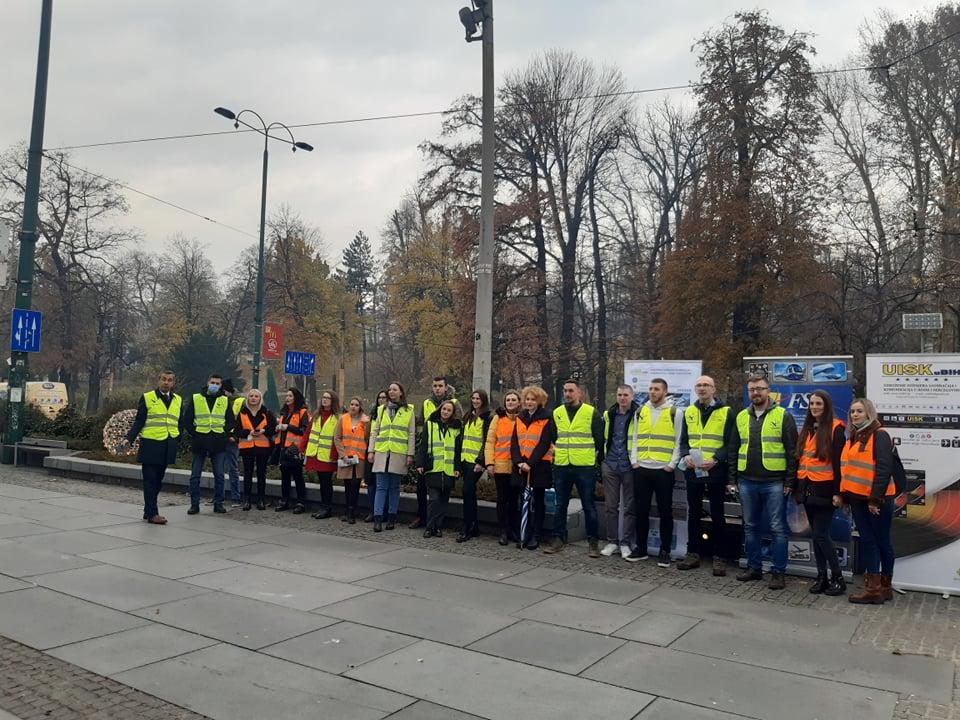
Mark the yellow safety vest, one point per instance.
(237, 404)
(773, 453)
(320, 443)
(472, 440)
(654, 443)
(207, 421)
(575, 444)
(443, 448)
(429, 407)
(392, 434)
(162, 422)
(706, 438)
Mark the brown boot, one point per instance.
(872, 593)
(886, 587)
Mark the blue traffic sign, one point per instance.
(25, 330)
(299, 363)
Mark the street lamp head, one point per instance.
(303, 146)
(468, 18)
(228, 114)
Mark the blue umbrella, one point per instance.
(525, 511)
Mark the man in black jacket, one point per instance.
(209, 419)
(158, 425)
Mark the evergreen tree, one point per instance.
(358, 275)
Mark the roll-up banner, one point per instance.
(681, 375)
(918, 401)
(792, 379)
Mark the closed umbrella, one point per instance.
(525, 508)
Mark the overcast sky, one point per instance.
(124, 70)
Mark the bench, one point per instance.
(39, 448)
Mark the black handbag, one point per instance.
(291, 457)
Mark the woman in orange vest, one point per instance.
(531, 450)
(866, 483)
(496, 454)
(818, 485)
(324, 468)
(289, 441)
(254, 432)
(350, 438)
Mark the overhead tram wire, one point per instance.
(429, 113)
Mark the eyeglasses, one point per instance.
(758, 390)
(703, 385)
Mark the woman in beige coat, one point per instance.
(391, 447)
(350, 438)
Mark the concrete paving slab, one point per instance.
(41, 512)
(339, 648)
(423, 710)
(77, 542)
(581, 614)
(98, 505)
(116, 587)
(236, 620)
(662, 709)
(454, 564)
(162, 535)
(759, 616)
(165, 562)
(332, 544)
(8, 583)
(548, 646)
(229, 683)
(130, 648)
(44, 619)
(23, 492)
(536, 578)
(5, 518)
(299, 592)
(437, 673)
(456, 590)
(231, 528)
(658, 628)
(4, 715)
(727, 686)
(90, 521)
(419, 617)
(219, 546)
(597, 587)
(332, 566)
(21, 560)
(866, 666)
(23, 529)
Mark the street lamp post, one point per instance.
(19, 367)
(264, 129)
(481, 14)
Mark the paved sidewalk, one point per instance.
(254, 615)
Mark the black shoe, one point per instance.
(219, 509)
(663, 559)
(298, 509)
(322, 514)
(636, 555)
(749, 574)
(392, 522)
(377, 525)
(246, 506)
(194, 509)
(463, 537)
(281, 507)
(351, 516)
(819, 585)
(504, 540)
(438, 533)
(428, 533)
(416, 524)
(368, 518)
(533, 543)
(261, 505)
(836, 586)
(777, 581)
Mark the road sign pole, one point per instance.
(19, 370)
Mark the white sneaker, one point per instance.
(624, 551)
(609, 549)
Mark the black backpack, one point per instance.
(897, 472)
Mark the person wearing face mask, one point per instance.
(867, 484)
(209, 418)
(288, 448)
(532, 454)
(232, 458)
(321, 451)
(438, 461)
(255, 428)
(819, 448)
(476, 423)
(368, 477)
(390, 451)
(352, 434)
(500, 466)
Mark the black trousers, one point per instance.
(152, 481)
(716, 492)
(820, 517)
(325, 479)
(508, 498)
(538, 514)
(352, 493)
(296, 475)
(470, 478)
(439, 496)
(646, 484)
(256, 462)
(421, 498)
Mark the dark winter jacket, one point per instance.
(154, 452)
(719, 472)
(541, 471)
(211, 442)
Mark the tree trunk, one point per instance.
(602, 350)
(540, 301)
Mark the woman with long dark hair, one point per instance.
(321, 452)
(500, 465)
(391, 449)
(475, 425)
(819, 447)
(439, 462)
(291, 433)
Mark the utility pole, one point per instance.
(482, 14)
(19, 363)
(341, 373)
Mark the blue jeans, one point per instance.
(387, 484)
(876, 549)
(216, 460)
(233, 471)
(764, 505)
(585, 478)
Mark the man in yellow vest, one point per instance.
(232, 458)
(209, 419)
(158, 425)
(763, 465)
(655, 453)
(579, 447)
(440, 391)
(707, 424)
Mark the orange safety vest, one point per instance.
(301, 419)
(246, 422)
(812, 468)
(858, 469)
(529, 435)
(353, 437)
(501, 447)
